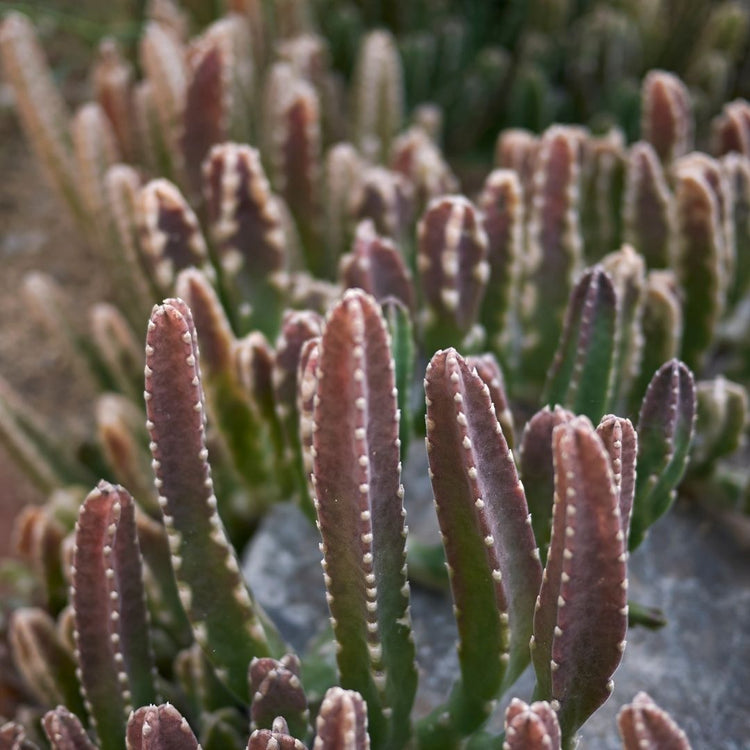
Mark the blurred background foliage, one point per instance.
(509, 63)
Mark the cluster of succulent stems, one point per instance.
(306, 283)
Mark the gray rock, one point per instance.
(282, 567)
(698, 666)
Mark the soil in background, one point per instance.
(37, 235)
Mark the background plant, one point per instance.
(257, 243)
(254, 241)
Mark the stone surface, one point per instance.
(697, 667)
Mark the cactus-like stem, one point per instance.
(387, 198)
(197, 678)
(453, 270)
(163, 595)
(164, 63)
(502, 202)
(379, 95)
(41, 107)
(117, 348)
(305, 292)
(13, 736)
(430, 119)
(38, 538)
(297, 328)
(416, 156)
(342, 168)
(208, 99)
(310, 56)
(121, 184)
(124, 440)
(493, 560)
(112, 79)
(291, 19)
(66, 619)
(581, 613)
(224, 617)
(64, 731)
(537, 470)
(627, 271)
(64, 505)
(554, 247)
(211, 324)
(49, 302)
(737, 171)
(111, 623)
(530, 96)
(621, 443)
(247, 231)
(604, 171)
(307, 383)
(651, 618)
(665, 431)
(517, 149)
(254, 360)
(666, 115)
(229, 402)
(219, 92)
(582, 373)
(152, 139)
(730, 131)
(645, 726)
(358, 499)
(170, 235)
(225, 728)
(276, 738)
(172, 18)
(661, 329)
(94, 151)
(711, 170)
(376, 266)
(721, 417)
(401, 331)
(28, 442)
(531, 727)
(698, 261)
(342, 721)
(293, 149)
(489, 371)
(648, 206)
(276, 690)
(159, 728)
(43, 660)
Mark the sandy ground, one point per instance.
(36, 234)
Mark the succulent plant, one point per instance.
(590, 276)
(120, 639)
(643, 724)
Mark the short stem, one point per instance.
(648, 617)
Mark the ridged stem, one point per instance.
(358, 498)
(224, 617)
(493, 561)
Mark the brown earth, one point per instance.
(36, 235)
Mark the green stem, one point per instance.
(648, 617)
